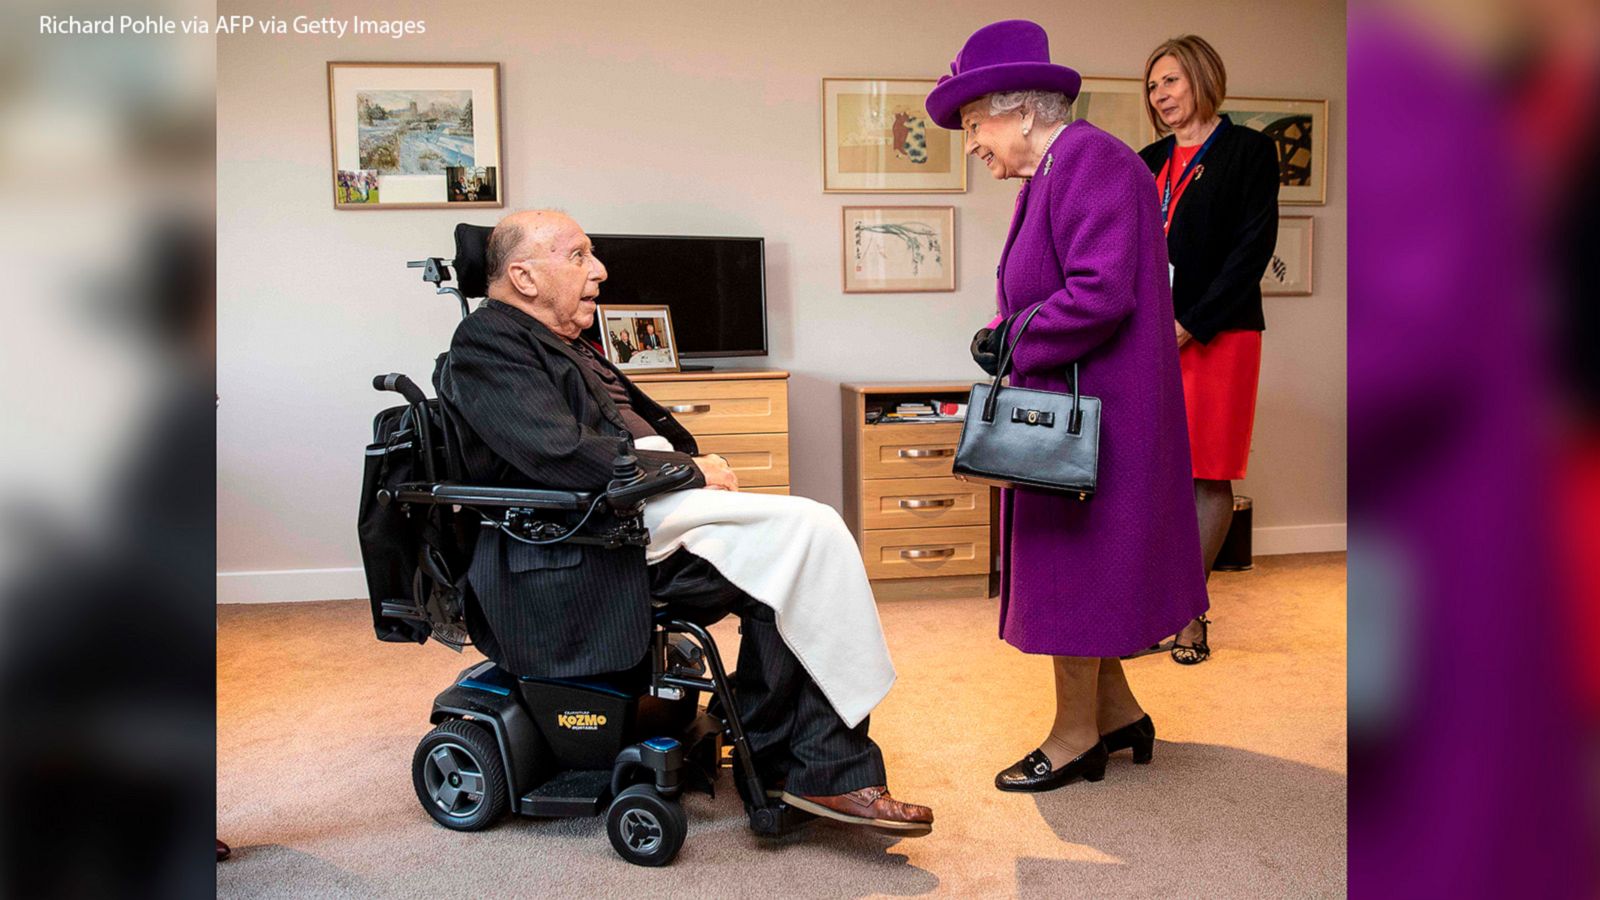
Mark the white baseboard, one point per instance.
(1298, 539)
(293, 585)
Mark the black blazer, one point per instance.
(1223, 232)
(526, 411)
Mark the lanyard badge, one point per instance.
(1193, 170)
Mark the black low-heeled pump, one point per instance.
(1140, 737)
(1034, 772)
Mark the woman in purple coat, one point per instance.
(1083, 581)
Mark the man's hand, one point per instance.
(1184, 336)
(719, 475)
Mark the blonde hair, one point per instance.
(1208, 79)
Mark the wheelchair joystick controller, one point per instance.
(625, 467)
(625, 473)
(631, 485)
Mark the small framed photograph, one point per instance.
(415, 135)
(638, 339)
(899, 249)
(877, 136)
(1299, 128)
(1289, 272)
(1117, 107)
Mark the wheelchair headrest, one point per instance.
(472, 259)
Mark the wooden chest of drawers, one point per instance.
(740, 414)
(922, 532)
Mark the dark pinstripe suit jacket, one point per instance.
(526, 411)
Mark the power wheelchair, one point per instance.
(623, 744)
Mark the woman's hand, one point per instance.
(986, 349)
(1184, 336)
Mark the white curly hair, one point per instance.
(1048, 107)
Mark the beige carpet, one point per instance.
(1246, 797)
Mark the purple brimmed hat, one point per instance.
(1013, 55)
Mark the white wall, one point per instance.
(692, 118)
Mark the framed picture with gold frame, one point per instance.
(638, 339)
(1116, 106)
(1299, 129)
(899, 249)
(877, 137)
(415, 135)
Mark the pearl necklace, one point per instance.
(1049, 158)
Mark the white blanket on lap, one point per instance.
(796, 556)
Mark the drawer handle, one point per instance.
(690, 408)
(940, 553)
(925, 504)
(924, 454)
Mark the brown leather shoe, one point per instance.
(871, 806)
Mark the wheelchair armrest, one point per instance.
(450, 493)
(650, 483)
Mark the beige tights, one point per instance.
(1092, 698)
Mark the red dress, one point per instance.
(1219, 378)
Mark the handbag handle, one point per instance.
(993, 400)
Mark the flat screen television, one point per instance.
(716, 288)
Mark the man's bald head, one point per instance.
(521, 234)
(541, 262)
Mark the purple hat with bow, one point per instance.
(1013, 55)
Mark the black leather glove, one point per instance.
(986, 349)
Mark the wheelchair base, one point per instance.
(579, 792)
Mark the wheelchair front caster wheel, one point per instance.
(459, 776)
(646, 829)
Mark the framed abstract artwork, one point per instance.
(1116, 106)
(899, 249)
(1289, 272)
(638, 339)
(877, 136)
(1299, 128)
(415, 135)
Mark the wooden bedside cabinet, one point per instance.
(922, 532)
(740, 414)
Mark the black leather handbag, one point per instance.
(1029, 439)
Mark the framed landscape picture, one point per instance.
(1116, 106)
(638, 339)
(899, 249)
(1299, 128)
(877, 136)
(415, 135)
(1289, 272)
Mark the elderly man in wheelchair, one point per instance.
(596, 546)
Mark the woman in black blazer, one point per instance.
(1219, 195)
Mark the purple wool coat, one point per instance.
(1120, 571)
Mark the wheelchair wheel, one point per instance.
(459, 776)
(646, 829)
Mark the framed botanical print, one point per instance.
(415, 135)
(899, 249)
(1289, 272)
(638, 339)
(878, 136)
(1299, 129)
(1116, 106)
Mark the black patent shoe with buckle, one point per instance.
(1140, 737)
(1034, 772)
(1197, 652)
